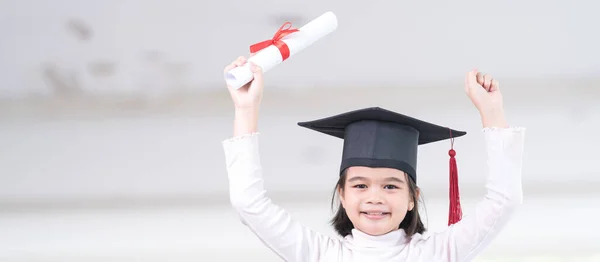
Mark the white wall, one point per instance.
(76, 152)
(564, 226)
(158, 46)
(110, 144)
(84, 181)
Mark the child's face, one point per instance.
(376, 199)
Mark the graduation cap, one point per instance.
(376, 137)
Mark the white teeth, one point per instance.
(374, 213)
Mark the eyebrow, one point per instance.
(394, 179)
(360, 178)
(357, 178)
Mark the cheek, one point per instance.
(401, 202)
(350, 202)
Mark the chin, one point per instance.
(379, 226)
(376, 231)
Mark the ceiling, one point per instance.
(141, 46)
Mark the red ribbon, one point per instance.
(276, 41)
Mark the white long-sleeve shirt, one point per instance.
(462, 241)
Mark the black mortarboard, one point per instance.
(376, 137)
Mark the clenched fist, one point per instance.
(484, 92)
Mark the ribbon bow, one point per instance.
(276, 41)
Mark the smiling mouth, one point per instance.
(375, 213)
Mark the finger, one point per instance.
(240, 61)
(234, 64)
(487, 82)
(257, 73)
(471, 80)
(495, 85)
(229, 67)
(480, 78)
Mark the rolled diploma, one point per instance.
(296, 42)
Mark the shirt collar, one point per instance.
(361, 239)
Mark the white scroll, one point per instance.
(271, 56)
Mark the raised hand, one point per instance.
(246, 100)
(484, 92)
(248, 96)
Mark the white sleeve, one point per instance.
(270, 223)
(466, 239)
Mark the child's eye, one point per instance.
(391, 187)
(361, 186)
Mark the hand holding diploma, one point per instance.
(246, 99)
(285, 43)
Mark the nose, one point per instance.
(374, 197)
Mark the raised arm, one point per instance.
(270, 223)
(466, 239)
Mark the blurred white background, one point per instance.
(112, 115)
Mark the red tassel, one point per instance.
(455, 214)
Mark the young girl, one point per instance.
(378, 217)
